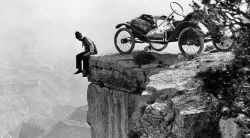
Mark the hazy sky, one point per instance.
(47, 26)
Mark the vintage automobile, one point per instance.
(159, 31)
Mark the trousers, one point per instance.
(79, 58)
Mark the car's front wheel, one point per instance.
(124, 41)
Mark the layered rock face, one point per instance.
(158, 100)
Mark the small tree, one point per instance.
(142, 58)
(231, 83)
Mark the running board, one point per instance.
(160, 42)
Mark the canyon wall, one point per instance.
(158, 100)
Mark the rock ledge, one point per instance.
(157, 100)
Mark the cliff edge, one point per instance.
(158, 100)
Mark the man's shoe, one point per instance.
(78, 71)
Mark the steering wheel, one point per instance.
(175, 4)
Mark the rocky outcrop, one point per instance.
(229, 128)
(157, 100)
(119, 72)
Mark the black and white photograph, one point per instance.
(124, 69)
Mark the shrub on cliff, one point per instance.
(231, 83)
(143, 58)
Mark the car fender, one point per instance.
(121, 24)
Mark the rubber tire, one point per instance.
(201, 41)
(132, 37)
(156, 49)
(224, 50)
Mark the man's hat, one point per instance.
(78, 34)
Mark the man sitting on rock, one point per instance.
(90, 49)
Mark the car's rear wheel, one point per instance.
(191, 42)
(224, 42)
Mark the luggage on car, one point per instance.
(144, 22)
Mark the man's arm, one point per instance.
(91, 47)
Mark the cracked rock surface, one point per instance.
(157, 100)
